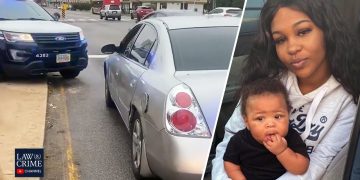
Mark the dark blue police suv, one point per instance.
(32, 42)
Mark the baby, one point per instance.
(267, 147)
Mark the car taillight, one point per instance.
(183, 120)
(183, 114)
(183, 99)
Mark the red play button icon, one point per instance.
(20, 171)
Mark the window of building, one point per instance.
(183, 5)
(163, 5)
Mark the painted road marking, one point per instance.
(72, 169)
(98, 56)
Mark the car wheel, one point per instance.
(137, 139)
(69, 74)
(119, 18)
(108, 100)
(137, 18)
(131, 16)
(57, 16)
(106, 18)
(101, 17)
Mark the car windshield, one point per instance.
(202, 48)
(22, 10)
(114, 7)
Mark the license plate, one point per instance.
(114, 12)
(62, 58)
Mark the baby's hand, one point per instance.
(275, 144)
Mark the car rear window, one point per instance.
(216, 11)
(114, 7)
(202, 48)
(146, 8)
(233, 11)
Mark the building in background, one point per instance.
(166, 4)
(127, 5)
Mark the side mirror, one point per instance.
(109, 49)
(56, 16)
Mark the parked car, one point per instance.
(33, 42)
(225, 11)
(110, 11)
(158, 78)
(140, 12)
(166, 13)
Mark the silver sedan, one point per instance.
(167, 79)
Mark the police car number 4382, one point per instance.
(44, 55)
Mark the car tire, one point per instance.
(137, 140)
(137, 18)
(101, 17)
(106, 18)
(69, 74)
(119, 18)
(57, 15)
(108, 100)
(131, 16)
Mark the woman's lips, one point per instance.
(298, 64)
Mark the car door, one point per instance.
(114, 66)
(131, 66)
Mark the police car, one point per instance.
(32, 42)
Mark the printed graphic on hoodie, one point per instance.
(297, 122)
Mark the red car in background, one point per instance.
(140, 12)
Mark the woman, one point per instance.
(306, 44)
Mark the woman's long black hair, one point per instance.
(342, 48)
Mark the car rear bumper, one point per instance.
(40, 60)
(175, 157)
(113, 15)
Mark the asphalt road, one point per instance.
(84, 139)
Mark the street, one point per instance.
(92, 137)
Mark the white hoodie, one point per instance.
(324, 118)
